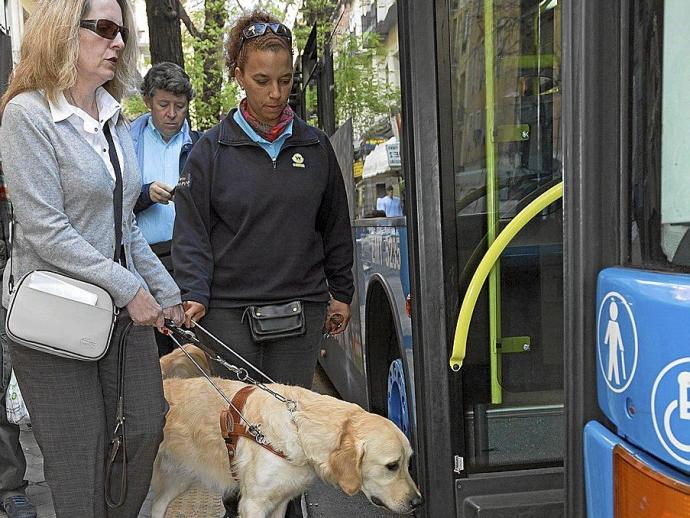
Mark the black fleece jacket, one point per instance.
(249, 230)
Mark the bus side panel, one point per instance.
(599, 443)
(380, 257)
(643, 366)
(342, 356)
(647, 486)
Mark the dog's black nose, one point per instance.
(416, 502)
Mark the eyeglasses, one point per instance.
(257, 29)
(105, 28)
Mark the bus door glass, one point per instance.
(675, 141)
(506, 105)
(660, 156)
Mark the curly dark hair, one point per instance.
(236, 54)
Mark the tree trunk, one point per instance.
(165, 36)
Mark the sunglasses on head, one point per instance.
(257, 29)
(105, 28)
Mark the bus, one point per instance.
(526, 321)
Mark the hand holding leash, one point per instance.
(337, 317)
(175, 313)
(144, 310)
(193, 312)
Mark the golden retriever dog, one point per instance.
(327, 438)
(177, 365)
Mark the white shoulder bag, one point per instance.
(59, 315)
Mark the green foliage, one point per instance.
(317, 12)
(272, 8)
(361, 91)
(133, 106)
(205, 64)
(311, 104)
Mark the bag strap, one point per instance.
(9, 242)
(117, 441)
(117, 193)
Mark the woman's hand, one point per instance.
(144, 310)
(193, 311)
(337, 317)
(160, 192)
(175, 313)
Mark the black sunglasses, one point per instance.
(105, 28)
(257, 29)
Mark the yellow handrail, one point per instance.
(490, 258)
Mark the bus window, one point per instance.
(506, 96)
(675, 142)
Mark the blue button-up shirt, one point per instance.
(161, 163)
(272, 148)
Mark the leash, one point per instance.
(117, 442)
(178, 334)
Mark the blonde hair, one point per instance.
(50, 49)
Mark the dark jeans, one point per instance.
(291, 360)
(12, 461)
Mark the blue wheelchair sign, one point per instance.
(670, 407)
(617, 346)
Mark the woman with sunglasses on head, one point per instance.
(262, 216)
(71, 170)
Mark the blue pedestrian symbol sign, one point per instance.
(671, 409)
(617, 342)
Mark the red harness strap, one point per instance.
(232, 427)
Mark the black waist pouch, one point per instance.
(276, 321)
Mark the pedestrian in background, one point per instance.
(162, 140)
(262, 216)
(13, 499)
(65, 152)
(390, 203)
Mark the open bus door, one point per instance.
(490, 437)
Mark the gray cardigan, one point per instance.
(62, 195)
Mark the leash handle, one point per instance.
(191, 336)
(117, 441)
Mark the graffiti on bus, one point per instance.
(381, 246)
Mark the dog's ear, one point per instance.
(346, 461)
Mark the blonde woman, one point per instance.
(66, 153)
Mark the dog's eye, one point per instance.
(392, 466)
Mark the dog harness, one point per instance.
(232, 427)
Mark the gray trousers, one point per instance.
(12, 461)
(291, 360)
(72, 407)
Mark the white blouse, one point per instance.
(90, 128)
